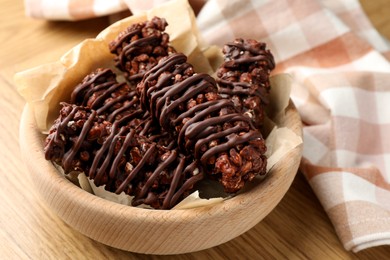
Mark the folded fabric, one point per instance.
(341, 89)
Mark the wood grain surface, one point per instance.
(298, 228)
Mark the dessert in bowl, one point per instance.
(166, 229)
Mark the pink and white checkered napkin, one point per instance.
(341, 89)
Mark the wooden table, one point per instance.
(297, 228)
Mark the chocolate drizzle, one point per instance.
(247, 52)
(70, 154)
(124, 162)
(140, 47)
(117, 102)
(208, 128)
(244, 76)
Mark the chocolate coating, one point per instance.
(115, 101)
(205, 124)
(123, 162)
(140, 47)
(244, 77)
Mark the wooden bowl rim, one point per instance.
(31, 142)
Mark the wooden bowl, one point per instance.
(156, 231)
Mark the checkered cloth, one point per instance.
(341, 89)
